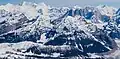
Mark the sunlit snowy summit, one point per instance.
(34, 31)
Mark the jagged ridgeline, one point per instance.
(71, 31)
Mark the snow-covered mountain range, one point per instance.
(31, 30)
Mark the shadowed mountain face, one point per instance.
(69, 32)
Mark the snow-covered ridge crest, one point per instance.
(107, 10)
(30, 10)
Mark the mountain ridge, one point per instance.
(83, 32)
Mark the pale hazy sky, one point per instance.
(115, 3)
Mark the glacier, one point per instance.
(34, 31)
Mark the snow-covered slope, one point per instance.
(65, 32)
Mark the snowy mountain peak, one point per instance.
(107, 10)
